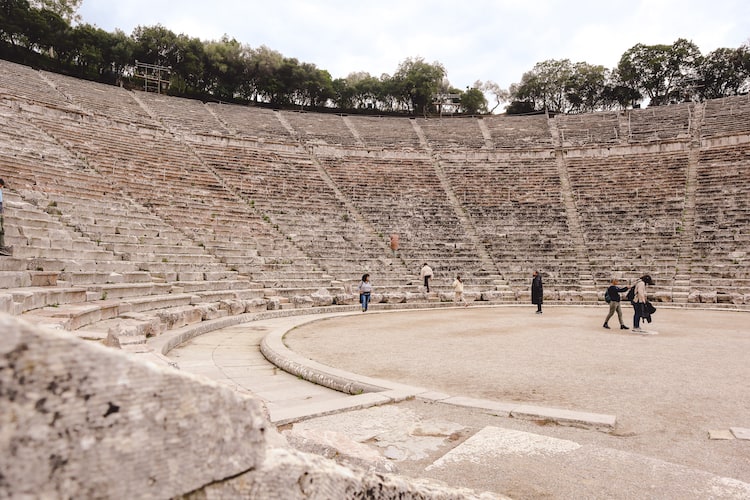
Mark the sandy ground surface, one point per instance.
(667, 390)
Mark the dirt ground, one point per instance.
(668, 390)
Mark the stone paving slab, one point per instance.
(565, 469)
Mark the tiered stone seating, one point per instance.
(182, 115)
(452, 134)
(403, 195)
(656, 124)
(514, 202)
(630, 203)
(589, 129)
(514, 132)
(100, 99)
(90, 247)
(721, 249)
(286, 186)
(727, 116)
(320, 128)
(386, 132)
(251, 122)
(22, 83)
(200, 194)
(160, 173)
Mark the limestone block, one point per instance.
(274, 304)
(492, 296)
(177, 317)
(694, 297)
(661, 296)
(6, 303)
(296, 475)
(708, 297)
(445, 296)
(322, 298)
(567, 296)
(375, 298)
(211, 311)
(589, 296)
(737, 298)
(393, 298)
(346, 299)
(415, 297)
(40, 278)
(234, 307)
(255, 305)
(87, 421)
(338, 446)
(301, 301)
(472, 296)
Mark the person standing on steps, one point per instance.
(426, 274)
(458, 291)
(537, 291)
(365, 289)
(613, 294)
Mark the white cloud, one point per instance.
(494, 40)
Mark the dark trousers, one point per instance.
(427, 282)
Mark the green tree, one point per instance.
(262, 72)
(66, 9)
(544, 87)
(725, 72)
(14, 20)
(224, 67)
(584, 89)
(155, 45)
(418, 82)
(473, 101)
(663, 73)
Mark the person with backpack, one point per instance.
(637, 297)
(612, 296)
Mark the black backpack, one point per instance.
(631, 294)
(607, 298)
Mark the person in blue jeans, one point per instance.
(365, 289)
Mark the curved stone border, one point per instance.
(276, 352)
(273, 348)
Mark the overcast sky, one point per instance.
(495, 40)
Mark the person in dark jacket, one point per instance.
(537, 291)
(613, 292)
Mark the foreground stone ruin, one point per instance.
(132, 215)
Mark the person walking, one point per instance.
(639, 301)
(613, 296)
(365, 289)
(426, 275)
(458, 291)
(537, 291)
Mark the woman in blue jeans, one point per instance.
(365, 289)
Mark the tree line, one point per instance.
(47, 34)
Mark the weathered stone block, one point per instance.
(322, 298)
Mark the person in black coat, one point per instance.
(537, 292)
